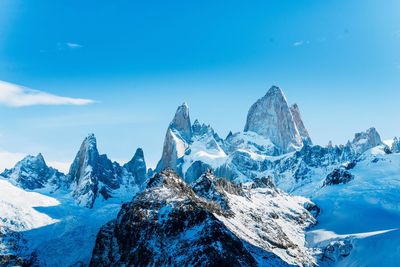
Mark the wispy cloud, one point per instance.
(298, 43)
(68, 46)
(73, 45)
(18, 96)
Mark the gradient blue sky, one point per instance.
(339, 60)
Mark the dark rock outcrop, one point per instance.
(338, 176)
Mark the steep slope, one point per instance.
(294, 109)
(271, 118)
(271, 130)
(168, 224)
(18, 212)
(33, 173)
(137, 167)
(62, 233)
(177, 139)
(366, 212)
(93, 175)
(366, 140)
(47, 230)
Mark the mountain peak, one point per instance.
(181, 122)
(90, 141)
(177, 138)
(137, 167)
(366, 140)
(32, 173)
(271, 118)
(275, 91)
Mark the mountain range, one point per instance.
(265, 196)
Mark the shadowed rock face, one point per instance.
(294, 109)
(87, 170)
(173, 224)
(137, 167)
(92, 175)
(366, 140)
(271, 118)
(338, 176)
(396, 145)
(167, 225)
(181, 122)
(33, 173)
(176, 140)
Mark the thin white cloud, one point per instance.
(18, 96)
(298, 43)
(73, 45)
(68, 46)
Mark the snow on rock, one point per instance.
(33, 173)
(48, 230)
(366, 140)
(395, 145)
(338, 176)
(181, 122)
(92, 175)
(214, 223)
(176, 141)
(137, 167)
(363, 211)
(271, 117)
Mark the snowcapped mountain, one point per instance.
(261, 213)
(93, 175)
(32, 173)
(51, 219)
(312, 171)
(214, 222)
(272, 118)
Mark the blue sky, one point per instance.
(138, 60)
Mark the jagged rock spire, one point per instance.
(366, 140)
(271, 118)
(395, 145)
(33, 173)
(92, 174)
(181, 122)
(177, 138)
(87, 155)
(294, 109)
(137, 167)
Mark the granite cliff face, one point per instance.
(294, 109)
(366, 140)
(272, 118)
(93, 175)
(176, 140)
(137, 168)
